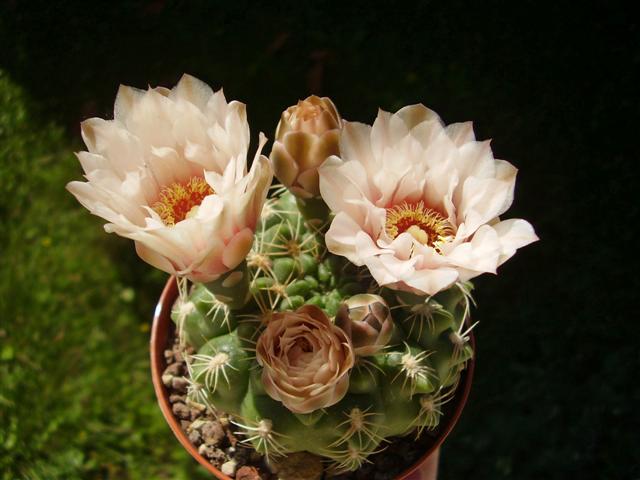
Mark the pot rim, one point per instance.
(159, 334)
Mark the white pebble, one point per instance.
(229, 468)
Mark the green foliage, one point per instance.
(76, 401)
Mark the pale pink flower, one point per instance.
(305, 358)
(170, 172)
(418, 203)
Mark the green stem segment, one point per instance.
(314, 211)
(232, 288)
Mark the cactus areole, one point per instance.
(329, 314)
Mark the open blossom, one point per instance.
(367, 320)
(305, 358)
(307, 134)
(418, 203)
(170, 172)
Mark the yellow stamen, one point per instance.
(424, 224)
(181, 200)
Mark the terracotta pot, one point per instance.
(424, 469)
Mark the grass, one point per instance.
(75, 392)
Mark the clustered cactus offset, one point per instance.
(332, 313)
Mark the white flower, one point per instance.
(170, 172)
(418, 203)
(306, 359)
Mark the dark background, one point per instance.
(555, 392)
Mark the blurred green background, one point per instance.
(555, 392)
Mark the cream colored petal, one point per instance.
(484, 199)
(432, 281)
(355, 142)
(154, 259)
(513, 234)
(461, 133)
(341, 237)
(481, 254)
(107, 138)
(237, 249)
(126, 100)
(193, 90)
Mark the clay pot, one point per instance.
(424, 469)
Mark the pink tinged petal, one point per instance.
(167, 167)
(107, 138)
(193, 90)
(93, 161)
(365, 246)
(461, 133)
(154, 259)
(484, 199)
(475, 159)
(481, 254)
(341, 237)
(513, 234)
(151, 120)
(380, 271)
(126, 100)
(342, 184)
(439, 189)
(355, 142)
(401, 246)
(432, 281)
(237, 249)
(189, 125)
(414, 115)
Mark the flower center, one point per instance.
(424, 224)
(181, 200)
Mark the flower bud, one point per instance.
(306, 136)
(367, 320)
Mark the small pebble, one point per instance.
(180, 410)
(195, 437)
(229, 468)
(175, 398)
(180, 384)
(166, 379)
(213, 454)
(247, 473)
(168, 356)
(212, 432)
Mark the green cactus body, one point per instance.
(394, 389)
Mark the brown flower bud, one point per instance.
(308, 133)
(367, 320)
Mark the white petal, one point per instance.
(513, 234)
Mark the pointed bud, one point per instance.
(367, 320)
(306, 136)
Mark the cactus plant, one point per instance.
(340, 304)
(408, 360)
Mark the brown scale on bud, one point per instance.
(308, 133)
(367, 320)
